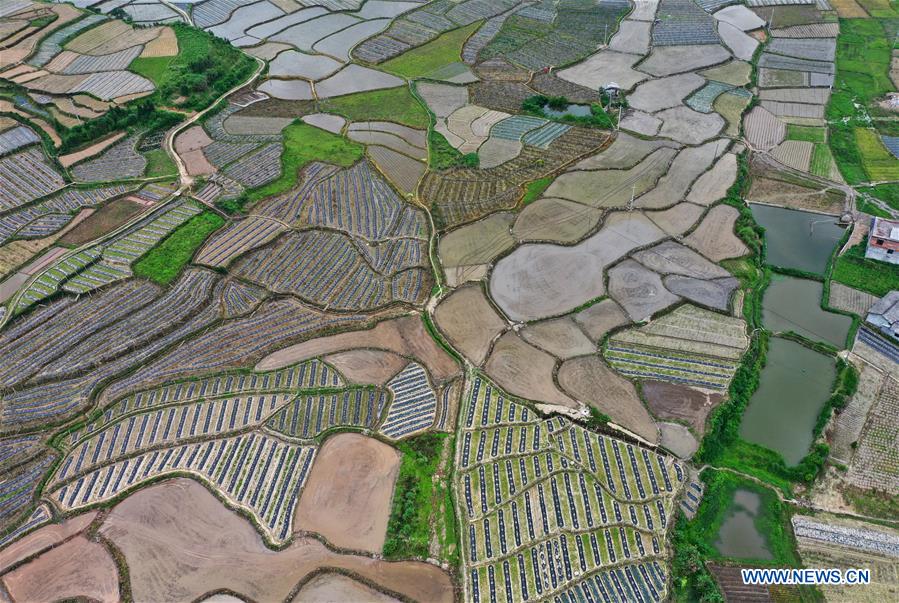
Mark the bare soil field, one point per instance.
(469, 322)
(523, 370)
(374, 367)
(557, 220)
(88, 152)
(681, 403)
(476, 243)
(109, 217)
(181, 542)
(348, 494)
(850, 300)
(78, 568)
(561, 337)
(625, 152)
(677, 220)
(786, 194)
(678, 439)
(713, 185)
(600, 318)
(43, 538)
(331, 588)
(405, 336)
(714, 237)
(591, 381)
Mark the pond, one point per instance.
(794, 304)
(794, 385)
(738, 536)
(798, 239)
(573, 110)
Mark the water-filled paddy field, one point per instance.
(738, 535)
(797, 239)
(781, 415)
(794, 304)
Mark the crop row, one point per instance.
(52, 44)
(94, 277)
(167, 425)
(220, 153)
(18, 488)
(327, 269)
(39, 516)
(414, 405)
(65, 202)
(394, 255)
(16, 138)
(119, 161)
(356, 200)
(873, 541)
(215, 127)
(240, 298)
(652, 363)
(555, 568)
(238, 238)
(257, 168)
(309, 416)
(143, 323)
(25, 176)
(132, 245)
(313, 374)
(49, 282)
(234, 343)
(489, 444)
(21, 357)
(257, 472)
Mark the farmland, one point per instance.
(443, 300)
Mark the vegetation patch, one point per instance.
(443, 156)
(409, 529)
(394, 104)
(877, 161)
(806, 133)
(164, 262)
(888, 193)
(430, 57)
(534, 190)
(537, 105)
(159, 164)
(204, 68)
(854, 269)
(302, 144)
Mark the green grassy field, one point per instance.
(442, 155)
(394, 104)
(878, 163)
(863, 62)
(853, 269)
(302, 144)
(430, 57)
(821, 161)
(888, 193)
(159, 164)
(534, 189)
(807, 133)
(164, 262)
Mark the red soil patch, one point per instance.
(373, 367)
(347, 498)
(181, 542)
(107, 218)
(328, 588)
(78, 568)
(405, 336)
(670, 401)
(43, 538)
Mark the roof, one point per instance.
(887, 307)
(885, 229)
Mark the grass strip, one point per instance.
(164, 262)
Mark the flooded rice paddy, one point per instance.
(798, 239)
(573, 110)
(794, 304)
(738, 536)
(794, 386)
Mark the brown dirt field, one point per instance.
(600, 318)
(108, 217)
(166, 45)
(94, 149)
(348, 494)
(777, 192)
(849, 9)
(43, 538)
(678, 402)
(469, 322)
(197, 164)
(373, 367)
(523, 370)
(558, 220)
(405, 336)
(331, 588)
(590, 380)
(181, 542)
(561, 337)
(192, 139)
(714, 237)
(677, 220)
(78, 568)
(477, 243)
(17, 253)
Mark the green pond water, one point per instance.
(738, 536)
(794, 304)
(781, 415)
(798, 239)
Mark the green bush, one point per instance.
(164, 262)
